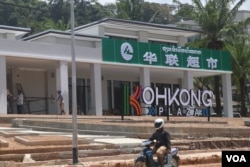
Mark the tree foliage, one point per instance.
(157, 13)
(184, 11)
(41, 15)
(51, 14)
(23, 13)
(236, 41)
(212, 17)
(130, 9)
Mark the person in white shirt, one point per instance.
(19, 100)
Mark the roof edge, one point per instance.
(134, 22)
(15, 28)
(57, 32)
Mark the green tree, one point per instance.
(111, 9)
(59, 10)
(236, 41)
(86, 12)
(213, 17)
(22, 13)
(130, 9)
(59, 25)
(157, 13)
(184, 11)
(50, 14)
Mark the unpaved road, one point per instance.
(194, 158)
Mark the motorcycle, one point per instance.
(146, 159)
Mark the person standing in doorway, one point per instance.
(60, 101)
(19, 100)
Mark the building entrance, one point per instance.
(119, 95)
(83, 96)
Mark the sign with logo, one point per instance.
(235, 158)
(179, 97)
(134, 100)
(127, 51)
(132, 52)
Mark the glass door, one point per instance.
(119, 101)
(83, 91)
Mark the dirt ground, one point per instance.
(146, 121)
(21, 149)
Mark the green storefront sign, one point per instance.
(132, 52)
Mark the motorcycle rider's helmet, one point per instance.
(159, 123)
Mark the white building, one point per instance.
(41, 64)
(243, 15)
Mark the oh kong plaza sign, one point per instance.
(133, 52)
(180, 97)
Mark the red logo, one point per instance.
(134, 100)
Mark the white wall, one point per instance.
(46, 39)
(48, 51)
(34, 88)
(120, 32)
(90, 31)
(51, 91)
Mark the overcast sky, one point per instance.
(245, 6)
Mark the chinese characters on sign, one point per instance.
(162, 55)
(172, 60)
(212, 63)
(150, 57)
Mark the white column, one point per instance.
(227, 95)
(62, 83)
(144, 82)
(187, 80)
(144, 77)
(3, 86)
(96, 89)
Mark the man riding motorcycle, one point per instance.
(162, 138)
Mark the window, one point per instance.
(162, 43)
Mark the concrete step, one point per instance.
(132, 130)
(50, 130)
(247, 122)
(8, 129)
(47, 156)
(106, 134)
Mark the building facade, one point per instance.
(40, 65)
(243, 15)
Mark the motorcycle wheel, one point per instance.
(139, 163)
(174, 162)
